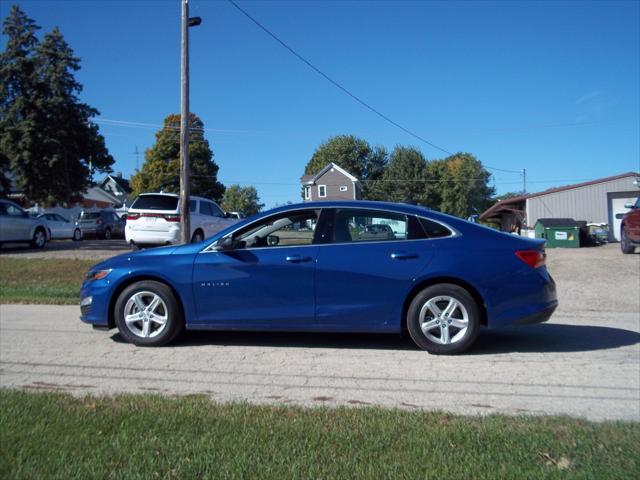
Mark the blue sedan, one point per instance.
(329, 267)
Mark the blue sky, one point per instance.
(552, 87)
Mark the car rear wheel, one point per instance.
(443, 319)
(77, 235)
(39, 239)
(625, 244)
(147, 314)
(198, 236)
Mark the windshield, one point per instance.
(156, 202)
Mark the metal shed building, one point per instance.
(597, 201)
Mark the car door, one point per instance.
(365, 271)
(633, 222)
(218, 220)
(265, 280)
(57, 225)
(19, 223)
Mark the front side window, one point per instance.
(356, 225)
(14, 211)
(322, 191)
(215, 210)
(193, 206)
(292, 229)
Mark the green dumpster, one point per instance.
(558, 232)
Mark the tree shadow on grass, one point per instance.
(544, 338)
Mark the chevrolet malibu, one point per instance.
(326, 267)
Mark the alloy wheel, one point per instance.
(444, 320)
(146, 314)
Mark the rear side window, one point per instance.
(193, 206)
(434, 229)
(356, 225)
(89, 215)
(156, 202)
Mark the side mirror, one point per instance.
(273, 240)
(630, 205)
(225, 243)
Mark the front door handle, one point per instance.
(297, 258)
(403, 255)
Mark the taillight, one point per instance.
(533, 258)
(133, 216)
(172, 218)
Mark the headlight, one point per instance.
(97, 274)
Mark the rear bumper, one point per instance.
(538, 317)
(151, 237)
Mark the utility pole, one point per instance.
(524, 180)
(185, 223)
(185, 220)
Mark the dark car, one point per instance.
(442, 279)
(103, 224)
(630, 228)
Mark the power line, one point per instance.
(334, 82)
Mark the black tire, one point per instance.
(174, 322)
(198, 236)
(107, 234)
(466, 305)
(77, 235)
(625, 244)
(39, 239)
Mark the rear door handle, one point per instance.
(297, 258)
(403, 255)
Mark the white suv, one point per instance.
(154, 219)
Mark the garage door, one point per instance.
(616, 210)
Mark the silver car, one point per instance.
(61, 227)
(17, 226)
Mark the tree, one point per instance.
(353, 154)
(161, 170)
(46, 135)
(464, 185)
(404, 178)
(242, 199)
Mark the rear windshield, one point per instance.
(89, 215)
(156, 202)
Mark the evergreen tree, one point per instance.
(18, 83)
(46, 134)
(161, 170)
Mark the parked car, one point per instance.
(377, 232)
(102, 224)
(154, 219)
(630, 228)
(442, 280)
(17, 226)
(61, 227)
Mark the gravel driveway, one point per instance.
(584, 362)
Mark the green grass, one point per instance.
(48, 281)
(52, 435)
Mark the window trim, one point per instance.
(325, 191)
(307, 192)
(331, 211)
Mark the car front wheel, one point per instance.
(147, 314)
(77, 235)
(107, 234)
(625, 244)
(39, 239)
(443, 319)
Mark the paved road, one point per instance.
(586, 362)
